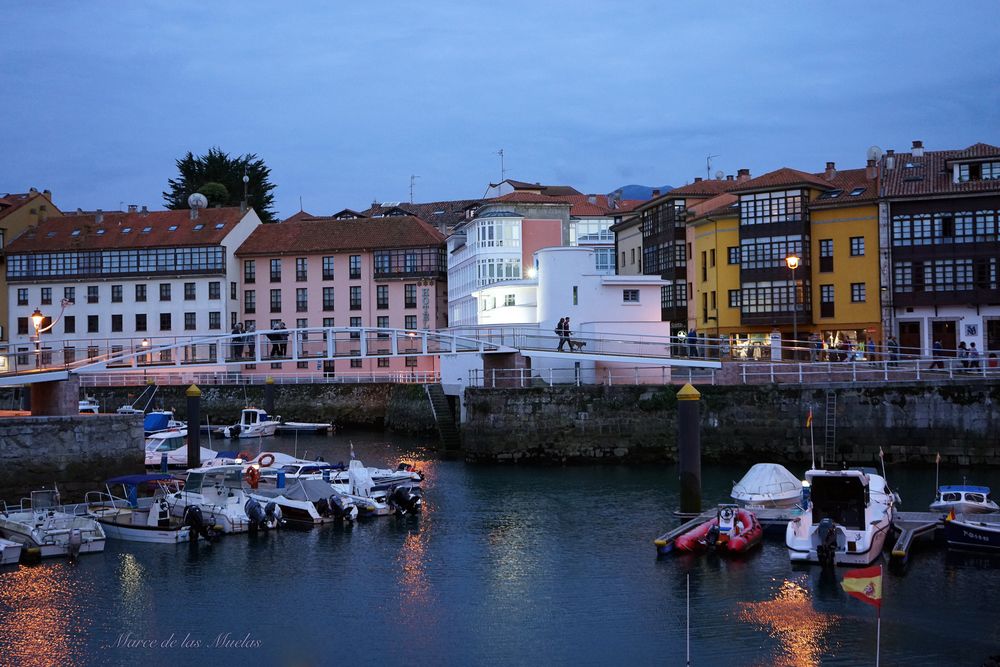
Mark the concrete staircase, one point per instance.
(447, 428)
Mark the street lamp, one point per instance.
(36, 319)
(793, 261)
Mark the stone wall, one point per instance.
(78, 453)
(740, 424)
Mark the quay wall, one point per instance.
(739, 424)
(78, 453)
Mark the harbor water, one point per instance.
(507, 565)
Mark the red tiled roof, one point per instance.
(448, 213)
(300, 215)
(721, 205)
(11, 202)
(58, 233)
(527, 198)
(329, 235)
(930, 173)
(626, 205)
(847, 181)
(585, 208)
(550, 190)
(778, 178)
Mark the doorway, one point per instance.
(945, 331)
(909, 339)
(992, 335)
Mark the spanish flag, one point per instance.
(951, 515)
(865, 584)
(809, 419)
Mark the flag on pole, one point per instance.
(951, 515)
(881, 454)
(865, 584)
(809, 419)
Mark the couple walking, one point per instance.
(562, 330)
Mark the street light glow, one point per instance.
(793, 261)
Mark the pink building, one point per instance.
(365, 272)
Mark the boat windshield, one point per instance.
(975, 497)
(194, 481)
(842, 499)
(951, 497)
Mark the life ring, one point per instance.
(244, 455)
(269, 458)
(253, 477)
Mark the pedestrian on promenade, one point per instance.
(283, 338)
(963, 354)
(937, 351)
(973, 356)
(893, 346)
(237, 340)
(560, 326)
(251, 340)
(692, 341)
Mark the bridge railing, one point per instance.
(872, 368)
(138, 379)
(619, 375)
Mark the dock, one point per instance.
(911, 527)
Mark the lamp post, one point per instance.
(36, 319)
(793, 261)
(145, 358)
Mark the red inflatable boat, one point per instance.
(733, 530)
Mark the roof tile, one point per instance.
(330, 235)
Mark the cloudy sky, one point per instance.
(345, 101)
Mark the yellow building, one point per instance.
(714, 231)
(17, 213)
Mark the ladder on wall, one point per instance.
(830, 430)
(447, 428)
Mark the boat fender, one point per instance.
(267, 460)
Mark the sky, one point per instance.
(346, 101)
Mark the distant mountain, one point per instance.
(641, 191)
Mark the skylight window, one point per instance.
(199, 227)
(220, 225)
(856, 191)
(172, 228)
(831, 194)
(126, 230)
(101, 231)
(75, 232)
(146, 230)
(50, 234)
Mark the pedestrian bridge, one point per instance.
(57, 360)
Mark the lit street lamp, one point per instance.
(36, 319)
(793, 262)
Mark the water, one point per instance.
(507, 565)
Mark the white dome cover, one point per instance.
(767, 483)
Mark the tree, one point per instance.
(220, 178)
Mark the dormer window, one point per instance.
(978, 171)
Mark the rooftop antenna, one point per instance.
(503, 172)
(708, 167)
(300, 204)
(413, 180)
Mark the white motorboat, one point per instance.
(307, 502)
(846, 521)
(89, 405)
(964, 499)
(768, 485)
(173, 443)
(10, 552)
(134, 519)
(218, 494)
(41, 524)
(303, 427)
(254, 423)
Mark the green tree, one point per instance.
(222, 175)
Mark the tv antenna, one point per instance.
(413, 180)
(708, 167)
(503, 172)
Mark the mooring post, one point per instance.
(269, 395)
(194, 426)
(689, 447)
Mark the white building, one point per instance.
(154, 275)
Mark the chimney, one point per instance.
(33, 191)
(890, 159)
(871, 170)
(99, 216)
(743, 175)
(79, 211)
(918, 148)
(132, 208)
(656, 192)
(831, 171)
(47, 193)
(697, 179)
(194, 214)
(144, 211)
(730, 177)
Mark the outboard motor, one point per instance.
(254, 512)
(194, 519)
(342, 509)
(405, 499)
(75, 543)
(827, 547)
(272, 514)
(712, 537)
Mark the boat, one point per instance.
(305, 501)
(966, 532)
(140, 520)
(768, 485)
(173, 443)
(218, 494)
(254, 423)
(964, 499)
(302, 427)
(734, 530)
(10, 552)
(41, 524)
(846, 520)
(89, 405)
(156, 421)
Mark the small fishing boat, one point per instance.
(734, 530)
(254, 423)
(156, 421)
(285, 428)
(89, 405)
(964, 499)
(304, 501)
(134, 519)
(966, 532)
(768, 485)
(173, 443)
(41, 524)
(218, 494)
(10, 552)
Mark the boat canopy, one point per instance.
(965, 488)
(767, 480)
(156, 421)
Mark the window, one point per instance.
(830, 194)
(769, 252)
(327, 298)
(301, 300)
(355, 298)
(190, 322)
(856, 191)
(93, 323)
(116, 323)
(986, 171)
(47, 296)
(215, 290)
(140, 321)
(22, 326)
(116, 294)
(276, 301)
(232, 290)
(734, 254)
(704, 266)
(410, 321)
(711, 257)
(576, 295)
(69, 293)
(382, 322)
(825, 255)
(508, 299)
(164, 321)
(409, 296)
(164, 291)
(770, 207)
(327, 322)
(410, 362)
(630, 296)
(250, 301)
(301, 269)
(355, 363)
(69, 324)
(857, 292)
(249, 271)
(140, 293)
(22, 296)
(382, 296)
(857, 246)
(355, 267)
(734, 298)
(355, 323)
(383, 362)
(215, 320)
(190, 293)
(826, 301)
(328, 268)
(93, 294)
(275, 270)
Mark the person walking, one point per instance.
(893, 346)
(250, 339)
(283, 339)
(973, 357)
(559, 332)
(937, 351)
(237, 340)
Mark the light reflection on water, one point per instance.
(791, 619)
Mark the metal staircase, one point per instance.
(830, 431)
(447, 428)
